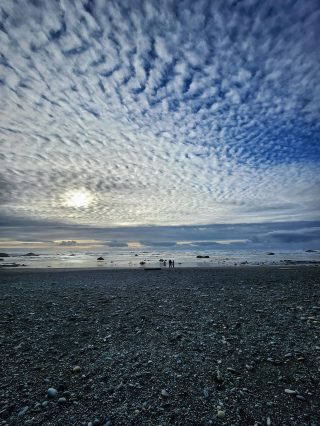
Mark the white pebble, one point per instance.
(221, 414)
(291, 392)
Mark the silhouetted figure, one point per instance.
(164, 263)
(170, 263)
(173, 263)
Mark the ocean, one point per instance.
(125, 258)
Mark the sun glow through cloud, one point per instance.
(77, 199)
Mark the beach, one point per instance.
(182, 346)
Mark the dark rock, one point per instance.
(100, 258)
(52, 393)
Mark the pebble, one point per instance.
(219, 378)
(221, 414)
(76, 369)
(206, 391)
(268, 421)
(23, 412)
(45, 404)
(291, 392)
(164, 393)
(52, 392)
(62, 400)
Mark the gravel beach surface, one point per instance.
(225, 346)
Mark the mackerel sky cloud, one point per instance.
(171, 113)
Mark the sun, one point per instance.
(78, 198)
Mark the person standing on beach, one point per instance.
(173, 263)
(170, 263)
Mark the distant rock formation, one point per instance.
(4, 255)
(31, 254)
(100, 258)
(202, 257)
(270, 253)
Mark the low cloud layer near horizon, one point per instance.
(19, 233)
(164, 114)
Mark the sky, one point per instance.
(147, 123)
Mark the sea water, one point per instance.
(125, 258)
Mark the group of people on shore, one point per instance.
(170, 262)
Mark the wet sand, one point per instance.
(229, 346)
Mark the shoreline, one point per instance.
(19, 269)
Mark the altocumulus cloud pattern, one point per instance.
(166, 113)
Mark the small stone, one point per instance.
(268, 421)
(291, 392)
(62, 400)
(45, 404)
(164, 393)
(23, 412)
(76, 369)
(219, 378)
(221, 414)
(52, 392)
(206, 392)
(302, 398)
